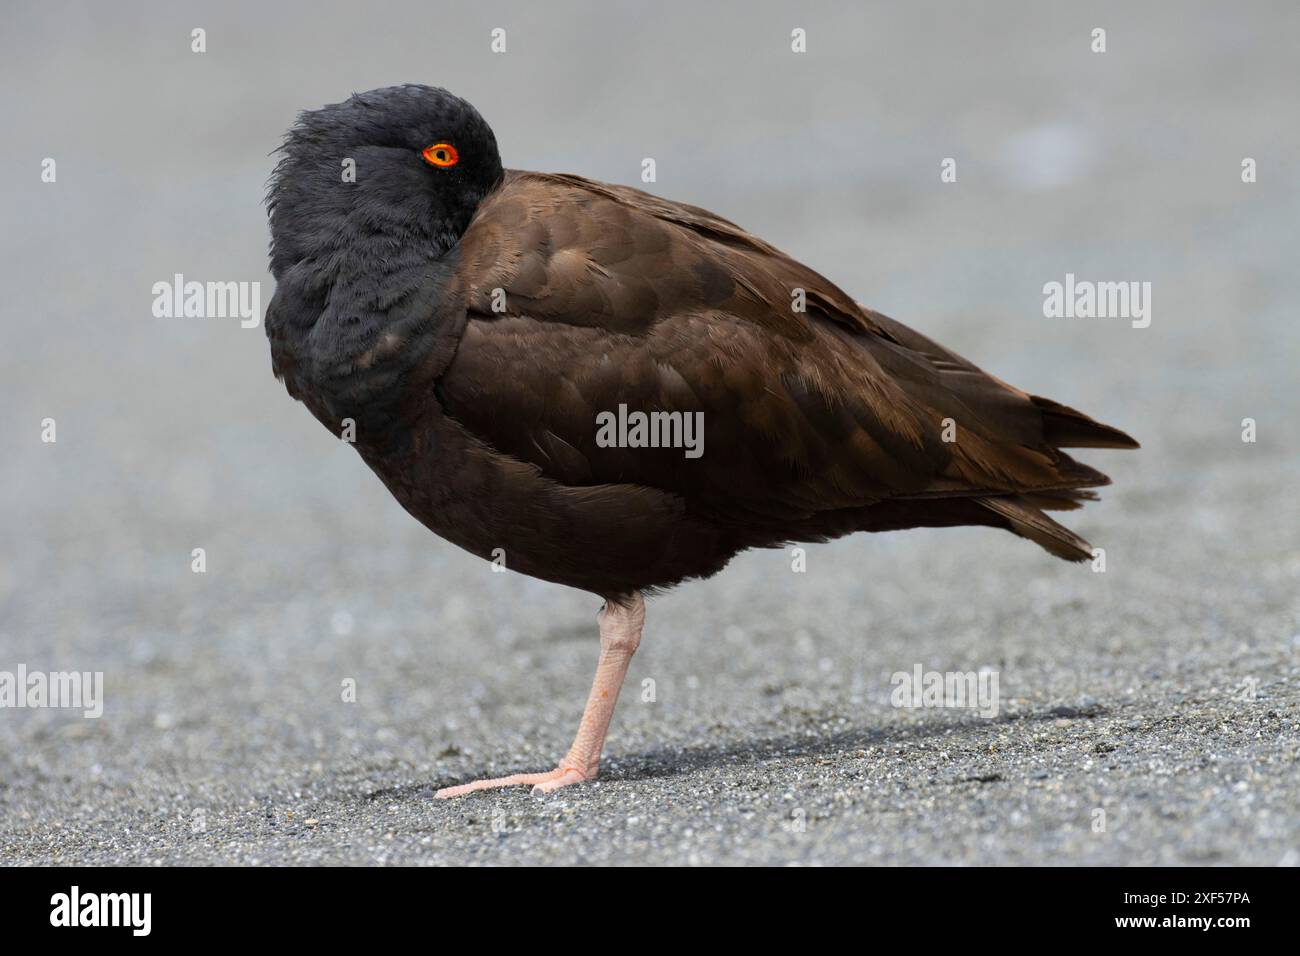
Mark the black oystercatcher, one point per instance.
(617, 391)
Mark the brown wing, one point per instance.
(583, 297)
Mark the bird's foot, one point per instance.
(620, 633)
(542, 783)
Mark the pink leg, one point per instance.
(620, 633)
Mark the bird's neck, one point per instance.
(360, 335)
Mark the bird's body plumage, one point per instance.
(565, 298)
(472, 324)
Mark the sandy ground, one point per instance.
(756, 725)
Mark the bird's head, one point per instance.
(403, 164)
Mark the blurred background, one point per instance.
(772, 688)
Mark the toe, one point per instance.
(556, 780)
(542, 783)
(515, 780)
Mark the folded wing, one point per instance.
(583, 297)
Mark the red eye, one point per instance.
(441, 154)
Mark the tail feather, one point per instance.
(1026, 520)
(1065, 500)
(1067, 428)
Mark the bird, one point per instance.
(613, 391)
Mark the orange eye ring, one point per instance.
(441, 155)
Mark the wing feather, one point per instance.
(584, 296)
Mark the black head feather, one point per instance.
(396, 197)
